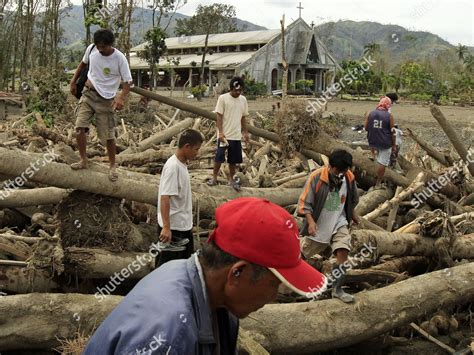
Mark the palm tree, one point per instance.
(371, 48)
(461, 51)
(469, 61)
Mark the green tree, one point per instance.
(371, 48)
(415, 77)
(461, 52)
(215, 18)
(154, 48)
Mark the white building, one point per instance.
(254, 53)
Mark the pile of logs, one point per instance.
(64, 234)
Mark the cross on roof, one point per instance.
(300, 8)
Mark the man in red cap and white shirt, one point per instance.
(192, 306)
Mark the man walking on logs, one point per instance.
(192, 306)
(327, 203)
(379, 125)
(104, 67)
(231, 110)
(175, 210)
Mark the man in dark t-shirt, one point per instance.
(379, 125)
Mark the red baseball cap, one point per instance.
(263, 233)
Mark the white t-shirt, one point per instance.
(232, 109)
(332, 216)
(106, 72)
(175, 182)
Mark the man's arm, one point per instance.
(305, 205)
(165, 235)
(243, 122)
(220, 125)
(119, 100)
(366, 125)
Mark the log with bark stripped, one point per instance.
(143, 190)
(404, 244)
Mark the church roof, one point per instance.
(217, 39)
(220, 60)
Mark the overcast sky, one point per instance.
(451, 20)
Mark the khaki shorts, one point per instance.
(92, 104)
(340, 240)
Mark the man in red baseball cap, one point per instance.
(192, 306)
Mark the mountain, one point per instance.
(347, 39)
(344, 38)
(74, 32)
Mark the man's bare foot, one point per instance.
(79, 166)
(113, 176)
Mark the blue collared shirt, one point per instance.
(166, 313)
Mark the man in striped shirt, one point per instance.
(328, 203)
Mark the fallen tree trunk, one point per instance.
(102, 264)
(152, 156)
(53, 136)
(33, 197)
(322, 144)
(371, 200)
(330, 324)
(18, 279)
(61, 175)
(387, 205)
(296, 176)
(141, 158)
(404, 244)
(404, 264)
(453, 137)
(444, 159)
(29, 322)
(161, 136)
(19, 250)
(447, 187)
(373, 276)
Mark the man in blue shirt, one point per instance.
(192, 306)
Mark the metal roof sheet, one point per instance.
(216, 60)
(217, 39)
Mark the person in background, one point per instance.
(175, 210)
(398, 143)
(192, 306)
(108, 67)
(393, 97)
(328, 205)
(379, 125)
(231, 111)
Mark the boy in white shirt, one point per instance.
(175, 209)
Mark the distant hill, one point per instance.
(343, 38)
(348, 38)
(74, 30)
